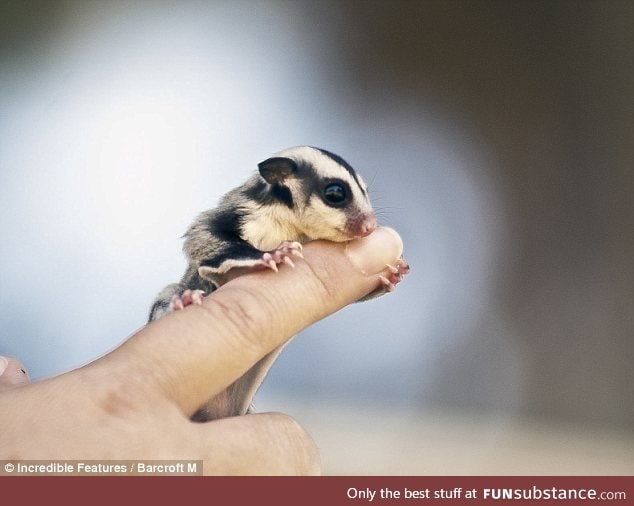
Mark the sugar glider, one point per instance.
(298, 195)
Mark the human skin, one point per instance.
(135, 402)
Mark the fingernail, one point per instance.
(3, 365)
(370, 254)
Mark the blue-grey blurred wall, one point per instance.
(497, 138)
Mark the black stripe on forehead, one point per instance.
(345, 165)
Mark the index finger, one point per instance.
(190, 355)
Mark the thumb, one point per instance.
(196, 353)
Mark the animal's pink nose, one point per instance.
(368, 226)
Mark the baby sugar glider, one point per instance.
(298, 195)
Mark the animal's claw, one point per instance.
(393, 275)
(388, 286)
(187, 298)
(281, 254)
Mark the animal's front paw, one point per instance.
(187, 298)
(394, 274)
(281, 254)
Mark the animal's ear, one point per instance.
(277, 169)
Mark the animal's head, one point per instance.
(330, 198)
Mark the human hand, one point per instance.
(135, 402)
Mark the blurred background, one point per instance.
(497, 137)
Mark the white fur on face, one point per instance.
(321, 221)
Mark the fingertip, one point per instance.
(396, 240)
(370, 254)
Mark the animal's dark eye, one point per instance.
(335, 194)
